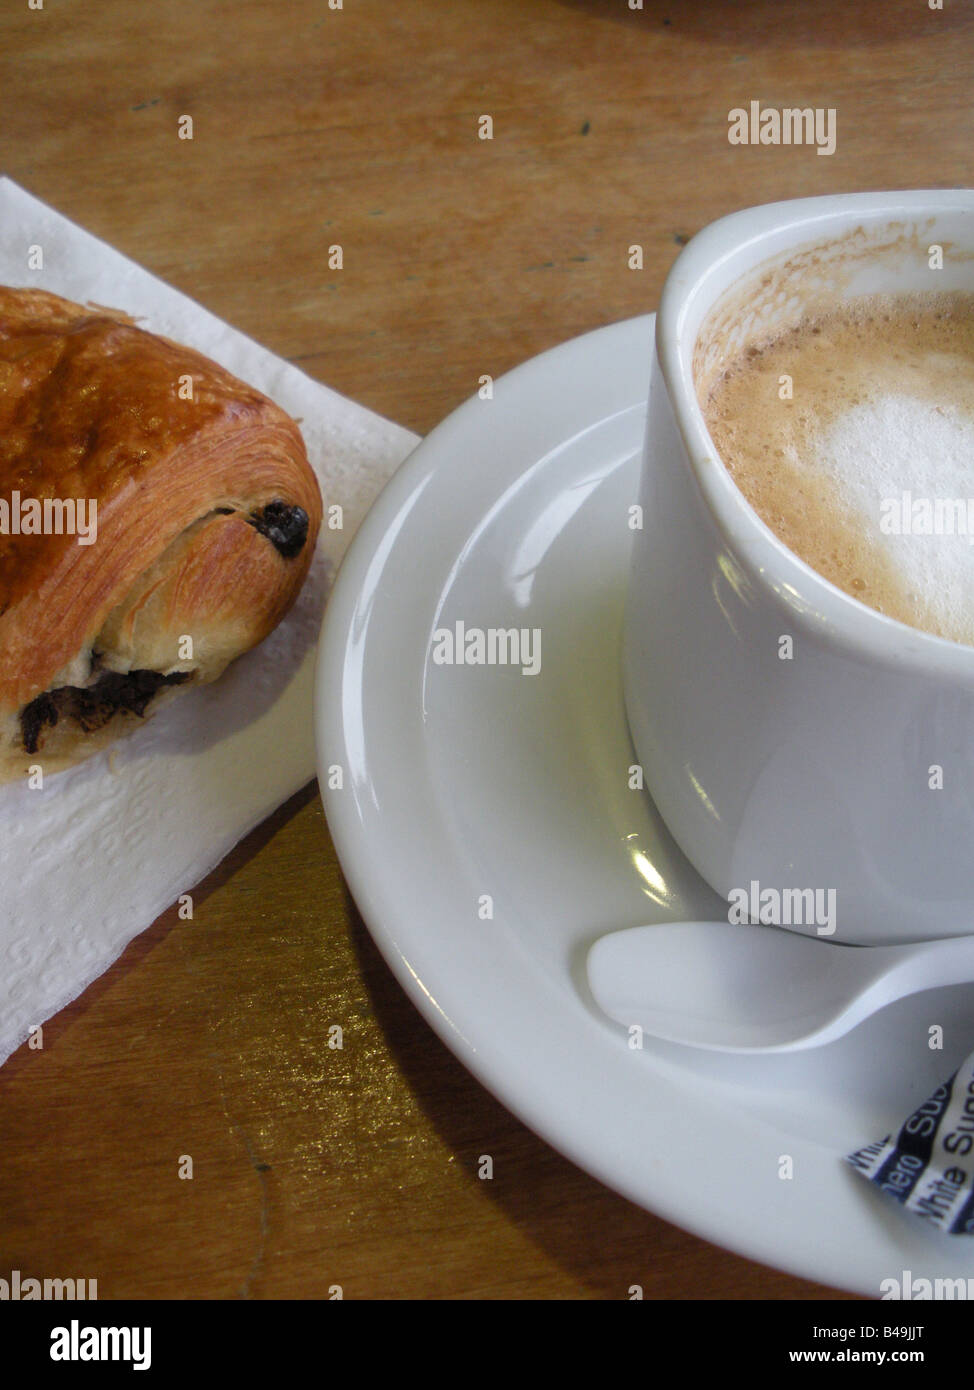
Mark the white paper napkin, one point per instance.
(92, 859)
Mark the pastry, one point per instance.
(157, 519)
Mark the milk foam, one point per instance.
(906, 469)
(852, 436)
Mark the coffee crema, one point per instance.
(851, 435)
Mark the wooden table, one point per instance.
(462, 256)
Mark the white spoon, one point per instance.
(758, 989)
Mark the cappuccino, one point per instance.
(851, 434)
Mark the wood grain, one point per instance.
(312, 126)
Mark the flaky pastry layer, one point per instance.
(207, 515)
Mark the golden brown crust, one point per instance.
(93, 407)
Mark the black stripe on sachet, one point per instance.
(915, 1142)
(963, 1222)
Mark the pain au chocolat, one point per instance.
(157, 519)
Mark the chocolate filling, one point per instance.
(92, 706)
(284, 526)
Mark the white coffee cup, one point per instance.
(815, 771)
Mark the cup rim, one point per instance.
(813, 600)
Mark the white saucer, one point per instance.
(464, 781)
